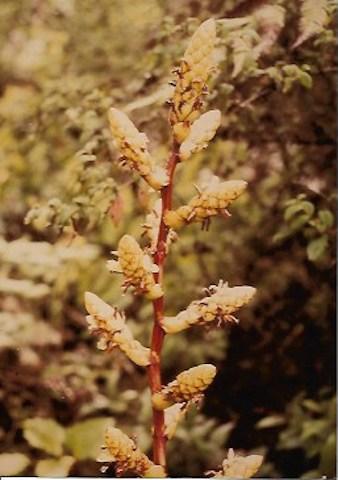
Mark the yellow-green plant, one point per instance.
(143, 268)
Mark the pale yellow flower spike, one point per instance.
(122, 450)
(236, 466)
(132, 145)
(217, 308)
(109, 324)
(213, 199)
(201, 132)
(137, 267)
(199, 54)
(187, 386)
(192, 75)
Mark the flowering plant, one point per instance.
(143, 268)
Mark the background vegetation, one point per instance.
(64, 62)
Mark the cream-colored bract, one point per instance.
(201, 132)
(122, 450)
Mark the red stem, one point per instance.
(159, 439)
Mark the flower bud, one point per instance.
(137, 267)
(187, 386)
(109, 324)
(192, 75)
(199, 54)
(223, 301)
(122, 450)
(133, 148)
(201, 132)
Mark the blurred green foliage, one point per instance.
(64, 203)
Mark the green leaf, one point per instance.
(305, 80)
(274, 73)
(317, 247)
(313, 428)
(45, 434)
(326, 217)
(84, 439)
(312, 405)
(284, 233)
(303, 207)
(270, 421)
(314, 18)
(54, 467)
(293, 201)
(323, 222)
(328, 457)
(297, 215)
(13, 463)
(311, 474)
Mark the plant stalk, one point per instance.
(155, 382)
